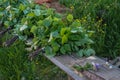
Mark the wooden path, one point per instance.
(66, 63)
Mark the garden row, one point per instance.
(37, 27)
(41, 27)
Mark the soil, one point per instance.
(53, 4)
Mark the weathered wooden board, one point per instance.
(65, 68)
(10, 41)
(4, 31)
(65, 62)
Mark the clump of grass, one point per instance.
(15, 65)
(12, 61)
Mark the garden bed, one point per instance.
(67, 36)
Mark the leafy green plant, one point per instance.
(13, 11)
(102, 17)
(57, 34)
(61, 37)
(86, 67)
(48, 30)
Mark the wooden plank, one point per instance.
(103, 74)
(4, 31)
(66, 62)
(66, 69)
(34, 53)
(70, 60)
(10, 41)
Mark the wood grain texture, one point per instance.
(66, 62)
(64, 68)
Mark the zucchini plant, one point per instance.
(11, 12)
(56, 33)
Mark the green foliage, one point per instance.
(86, 52)
(47, 29)
(70, 18)
(11, 11)
(56, 38)
(102, 17)
(57, 34)
(87, 66)
(15, 65)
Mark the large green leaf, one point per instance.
(76, 23)
(6, 24)
(47, 22)
(15, 20)
(55, 34)
(1, 15)
(62, 32)
(76, 48)
(70, 17)
(65, 30)
(22, 7)
(25, 11)
(78, 43)
(30, 15)
(40, 22)
(37, 12)
(55, 46)
(50, 11)
(64, 39)
(23, 27)
(86, 41)
(67, 47)
(89, 52)
(74, 37)
(49, 51)
(23, 37)
(62, 50)
(33, 29)
(74, 30)
(80, 53)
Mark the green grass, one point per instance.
(15, 65)
(13, 61)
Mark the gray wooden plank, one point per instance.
(66, 62)
(66, 69)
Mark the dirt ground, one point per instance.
(53, 4)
